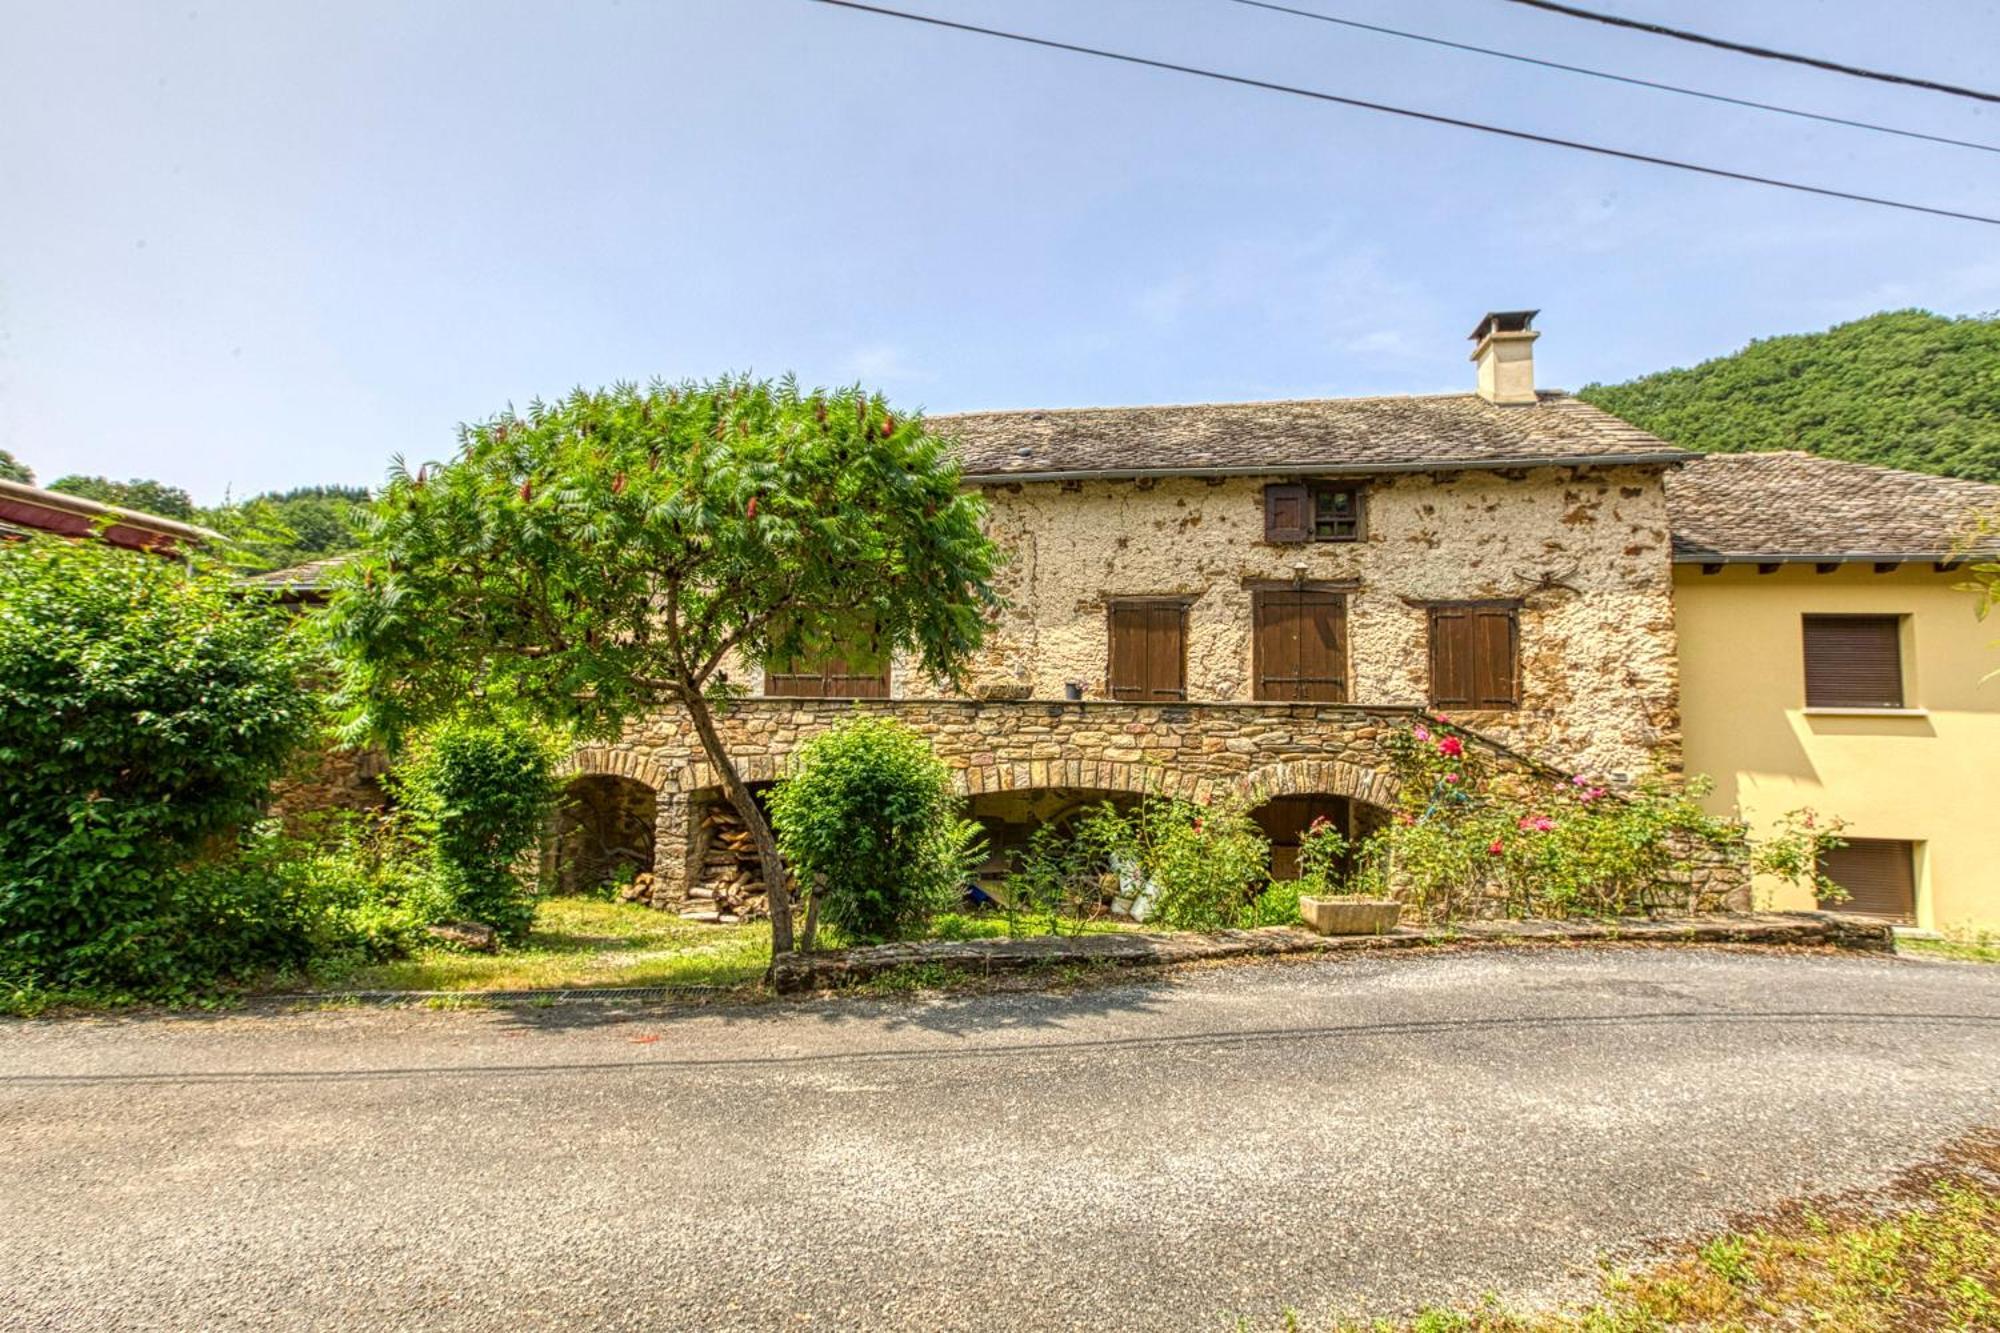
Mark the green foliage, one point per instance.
(280, 529)
(478, 793)
(148, 497)
(1206, 865)
(601, 555)
(1903, 388)
(1323, 855)
(1795, 852)
(1059, 879)
(1465, 838)
(144, 710)
(13, 469)
(1182, 864)
(869, 821)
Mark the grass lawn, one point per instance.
(581, 942)
(1923, 1253)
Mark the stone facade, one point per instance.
(1583, 551)
(1188, 750)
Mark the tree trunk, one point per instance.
(773, 866)
(810, 940)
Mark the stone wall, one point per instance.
(1586, 551)
(1189, 750)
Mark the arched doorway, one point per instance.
(603, 832)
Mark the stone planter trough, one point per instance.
(1350, 916)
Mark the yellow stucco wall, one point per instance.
(1932, 778)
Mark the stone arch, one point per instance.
(603, 830)
(616, 762)
(1320, 777)
(993, 777)
(754, 769)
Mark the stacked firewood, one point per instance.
(729, 884)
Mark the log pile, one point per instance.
(729, 882)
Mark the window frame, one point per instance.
(1309, 495)
(1899, 628)
(1339, 595)
(1512, 610)
(1112, 606)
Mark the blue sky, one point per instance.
(254, 245)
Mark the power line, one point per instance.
(1619, 78)
(1431, 117)
(1763, 52)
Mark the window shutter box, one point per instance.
(1288, 515)
(1854, 661)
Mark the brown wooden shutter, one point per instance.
(1288, 513)
(1495, 658)
(1148, 651)
(1475, 656)
(1300, 645)
(1854, 661)
(1879, 875)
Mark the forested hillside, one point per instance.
(1904, 388)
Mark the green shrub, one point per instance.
(869, 822)
(478, 793)
(145, 708)
(1465, 838)
(1205, 865)
(1058, 879)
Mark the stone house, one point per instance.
(1250, 597)
(1242, 597)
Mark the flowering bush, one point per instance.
(1464, 837)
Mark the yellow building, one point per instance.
(1832, 659)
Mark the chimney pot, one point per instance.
(1505, 355)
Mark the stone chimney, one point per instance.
(1505, 353)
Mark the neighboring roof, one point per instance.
(1798, 507)
(312, 576)
(25, 508)
(1309, 436)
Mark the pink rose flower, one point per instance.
(1451, 777)
(1535, 823)
(1421, 732)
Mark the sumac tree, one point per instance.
(598, 558)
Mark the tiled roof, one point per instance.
(1798, 506)
(1313, 435)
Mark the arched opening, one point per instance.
(1010, 819)
(1284, 820)
(604, 827)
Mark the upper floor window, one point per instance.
(1854, 661)
(1315, 512)
(1148, 650)
(1475, 656)
(1300, 646)
(845, 675)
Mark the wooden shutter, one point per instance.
(1475, 657)
(1288, 513)
(1148, 651)
(1879, 875)
(842, 676)
(1854, 661)
(1300, 645)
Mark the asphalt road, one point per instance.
(1351, 1136)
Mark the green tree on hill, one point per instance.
(1904, 388)
(140, 493)
(13, 469)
